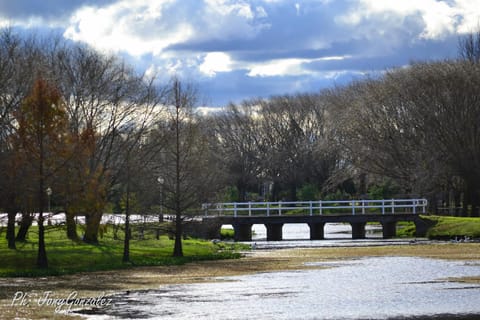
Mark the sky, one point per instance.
(234, 50)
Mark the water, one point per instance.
(336, 234)
(368, 288)
(301, 231)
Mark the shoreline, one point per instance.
(104, 283)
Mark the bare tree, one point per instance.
(105, 97)
(10, 51)
(237, 133)
(417, 125)
(136, 155)
(295, 138)
(447, 109)
(184, 163)
(376, 130)
(20, 59)
(469, 47)
(284, 142)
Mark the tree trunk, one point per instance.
(42, 261)
(126, 242)
(242, 191)
(362, 189)
(446, 201)
(276, 191)
(11, 230)
(457, 199)
(475, 202)
(71, 226)
(466, 202)
(25, 224)
(432, 204)
(471, 200)
(178, 250)
(92, 224)
(293, 192)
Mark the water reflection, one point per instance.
(336, 235)
(301, 231)
(368, 288)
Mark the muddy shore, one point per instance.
(34, 298)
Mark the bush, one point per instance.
(308, 192)
(384, 190)
(338, 195)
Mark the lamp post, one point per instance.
(160, 180)
(49, 191)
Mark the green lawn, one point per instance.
(449, 227)
(227, 233)
(66, 256)
(444, 227)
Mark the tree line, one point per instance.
(409, 132)
(104, 138)
(83, 133)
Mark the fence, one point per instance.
(391, 206)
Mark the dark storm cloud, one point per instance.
(47, 9)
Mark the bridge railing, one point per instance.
(320, 207)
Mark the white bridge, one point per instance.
(242, 215)
(319, 207)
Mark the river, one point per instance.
(366, 288)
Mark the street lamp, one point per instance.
(161, 181)
(49, 191)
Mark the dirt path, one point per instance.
(26, 298)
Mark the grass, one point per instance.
(444, 227)
(66, 256)
(226, 233)
(405, 229)
(451, 227)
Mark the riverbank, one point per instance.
(99, 284)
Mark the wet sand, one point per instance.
(100, 284)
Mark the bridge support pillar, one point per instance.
(243, 232)
(358, 230)
(421, 227)
(274, 231)
(389, 229)
(317, 230)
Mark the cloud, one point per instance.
(216, 62)
(34, 14)
(227, 8)
(136, 27)
(245, 48)
(440, 18)
(286, 67)
(468, 15)
(282, 67)
(142, 26)
(208, 110)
